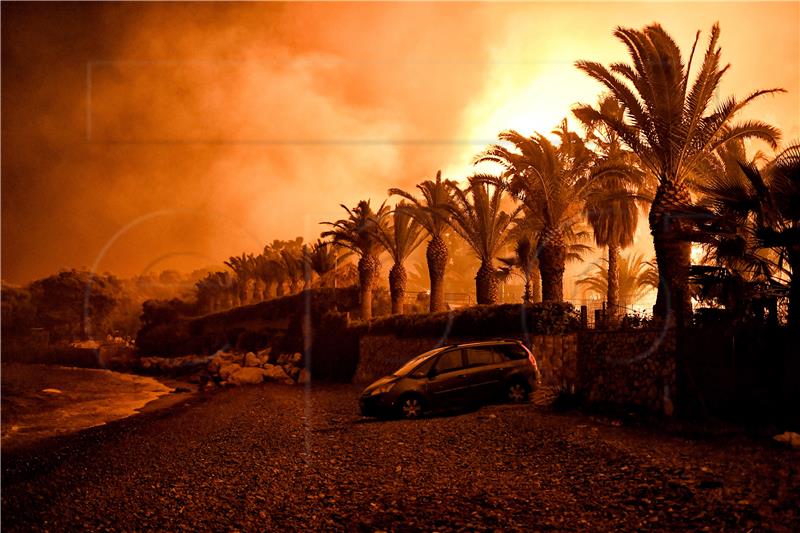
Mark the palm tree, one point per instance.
(432, 214)
(243, 267)
(525, 260)
(400, 240)
(754, 219)
(359, 233)
(785, 231)
(549, 181)
(615, 184)
(476, 215)
(672, 128)
(209, 292)
(275, 268)
(214, 291)
(636, 278)
(323, 257)
(265, 275)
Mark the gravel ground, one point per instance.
(281, 458)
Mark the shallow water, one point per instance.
(39, 401)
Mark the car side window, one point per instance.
(449, 361)
(481, 356)
(422, 370)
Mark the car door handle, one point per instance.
(462, 375)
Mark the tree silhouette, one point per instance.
(400, 237)
(359, 233)
(550, 181)
(615, 185)
(431, 212)
(672, 128)
(476, 214)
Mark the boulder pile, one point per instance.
(229, 368)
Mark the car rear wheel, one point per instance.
(517, 392)
(411, 407)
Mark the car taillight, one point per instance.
(530, 355)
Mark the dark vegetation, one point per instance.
(482, 321)
(277, 323)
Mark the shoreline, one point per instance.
(44, 403)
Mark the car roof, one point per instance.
(485, 343)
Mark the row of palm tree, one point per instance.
(635, 277)
(655, 140)
(283, 267)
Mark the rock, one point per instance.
(303, 377)
(226, 371)
(296, 358)
(789, 437)
(274, 373)
(251, 360)
(283, 359)
(265, 352)
(291, 371)
(247, 376)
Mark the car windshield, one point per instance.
(411, 365)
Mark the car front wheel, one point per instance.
(411, 407)
(517, 392)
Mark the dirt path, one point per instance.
(279, 458)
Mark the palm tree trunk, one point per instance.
(436, 254)
(269, 290)
(552, 257)
(368, 269)
(526, 294)
(673, 255)
(536, 285)
(258, 290)
(397, 287)
(612, 295)
(486, 283)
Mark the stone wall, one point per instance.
(557, 358)
(625, 367)
(628, 367)
(380, 355)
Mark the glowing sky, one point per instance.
(152, 136)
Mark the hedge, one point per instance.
(481, 321)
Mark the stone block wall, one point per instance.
(557, 358)
(628, 367)
(624, 367)
(380, 355)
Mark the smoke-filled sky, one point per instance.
(145, 136)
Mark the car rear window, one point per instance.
(514, 351)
